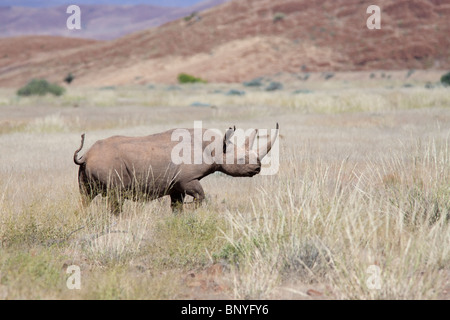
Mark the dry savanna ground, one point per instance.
(359, 209)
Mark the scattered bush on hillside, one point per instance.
(273, 86)
(201, 104)
(328, 75)
(410, 73)
(253, 83)
(187, 78)
(189, 17)
(234, 92)
(279, 16)
(302, 91)
(69, 78)
(304, 77)
(445, 79)
(40, 87)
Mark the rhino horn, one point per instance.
(263, 152)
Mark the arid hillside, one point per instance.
(243, 39)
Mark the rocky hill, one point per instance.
(244, 39)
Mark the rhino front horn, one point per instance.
(264, 151)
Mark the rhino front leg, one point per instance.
(195, 189)
(176, 201)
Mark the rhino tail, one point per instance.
(75, 155)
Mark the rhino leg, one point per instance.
(115, 201)
(87, 191)
(195, 189)
(176, 201)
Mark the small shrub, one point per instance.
(445, 79)
(189, 17)
(328, 75)
(279, 16)
(201, 105)
(302, 91)
(69, 78)
(234, 92)
(187, 78)
(40, 87)
(273, 86)
(429, 85)
(173, 88)
(410, 73)
(305, 77)
(253, 83)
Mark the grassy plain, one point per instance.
(359, 209)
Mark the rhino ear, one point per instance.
(227, 137)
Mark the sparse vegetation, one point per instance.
(274, 86)
(40, 87)
(69, 78)
(278, 16)
(410, 73)
(257, 82)
(187, 78)
(234, 92)
(328, 75)
(189, 17)
(445, 79)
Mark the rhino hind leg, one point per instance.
(114, 201)
(176, 201)
(88, 190)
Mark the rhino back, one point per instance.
(143, 160)
(126, 160)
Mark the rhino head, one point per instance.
(243, 161)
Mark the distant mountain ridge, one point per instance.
(55, 3)
(100, 22)
(244, 39)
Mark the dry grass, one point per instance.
(364, 181)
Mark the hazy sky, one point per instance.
(40, 3)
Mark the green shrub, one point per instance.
(445, 79)
(254, 83)
(273, 86)
(279, 16)
(40, 87)
(187, 78)
(189, 17)
(328, 75)
(234, 92)
(69, 78)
